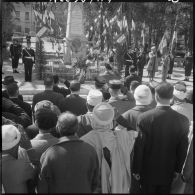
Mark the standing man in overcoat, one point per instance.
(28, 57)
(15, 53)
(162, 143)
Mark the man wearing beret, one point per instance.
(121, 105)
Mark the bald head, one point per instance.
(67, 124)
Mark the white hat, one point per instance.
(10, 136)
(143, 95)
(103, 113)
(181, 95)
(94, 97)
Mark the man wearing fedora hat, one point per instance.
(28, 58)
(7, 81)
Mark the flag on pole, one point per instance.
(132, 25)
(143, 34)
(174, 41)
(163, 44)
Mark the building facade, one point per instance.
(24, 19)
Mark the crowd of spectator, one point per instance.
(131, 138)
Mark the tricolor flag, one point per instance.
(132, 25)
(163, 44)
(174, 41)
(143, 34)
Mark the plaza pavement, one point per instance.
(28, 89)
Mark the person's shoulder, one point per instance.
(178, 115)
(148, 114)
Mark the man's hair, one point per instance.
(67, 124)
(12, 89)
(75, 85)
(55, 79)
(164, 90)
(48, 80)
(134, 85)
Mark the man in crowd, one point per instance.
(28, 58)
(56, 98)
(6, 82)
(74, 103)
(100, 84)
(129, 60)
(162, 143)
(141, 62)
(13, 112)
(61, 90)
(180, 105)
(15, 53)
(119, 104)
(13, 93)
(132, 77)
(71, 165)
(45, 120)
(33, 130)
(94, 97)
(15, 172)
(143, 98)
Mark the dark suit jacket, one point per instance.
(5, 95)
(161, 146)
(61, 90)
(75, 104)
(56, 98)
(131, 78)
(23, 105)
(70, 166)
(132, 115)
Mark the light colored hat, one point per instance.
(103, 113)
(143, 95)
(10, 136)
(43, 104)
(94, 97)
(181, 95)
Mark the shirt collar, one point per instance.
(69, 138)
(43, 136)
(159, 104)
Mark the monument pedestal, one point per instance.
(75, 41)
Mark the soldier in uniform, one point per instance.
(28, 57)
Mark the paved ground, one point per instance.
(37, 86)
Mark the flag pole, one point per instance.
(174, 29)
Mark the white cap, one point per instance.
(10, 136)
(103, 113)
(94, 97)
(143, 95)
(181, 95)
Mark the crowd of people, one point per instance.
(126, 137)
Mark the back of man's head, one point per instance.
(75, 86)
(45, 119)
(67, 124)
(12, 90)
(55, 79)
(134, 85)
(164, 91)
(48, 81)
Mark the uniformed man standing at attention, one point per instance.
(28, 57)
